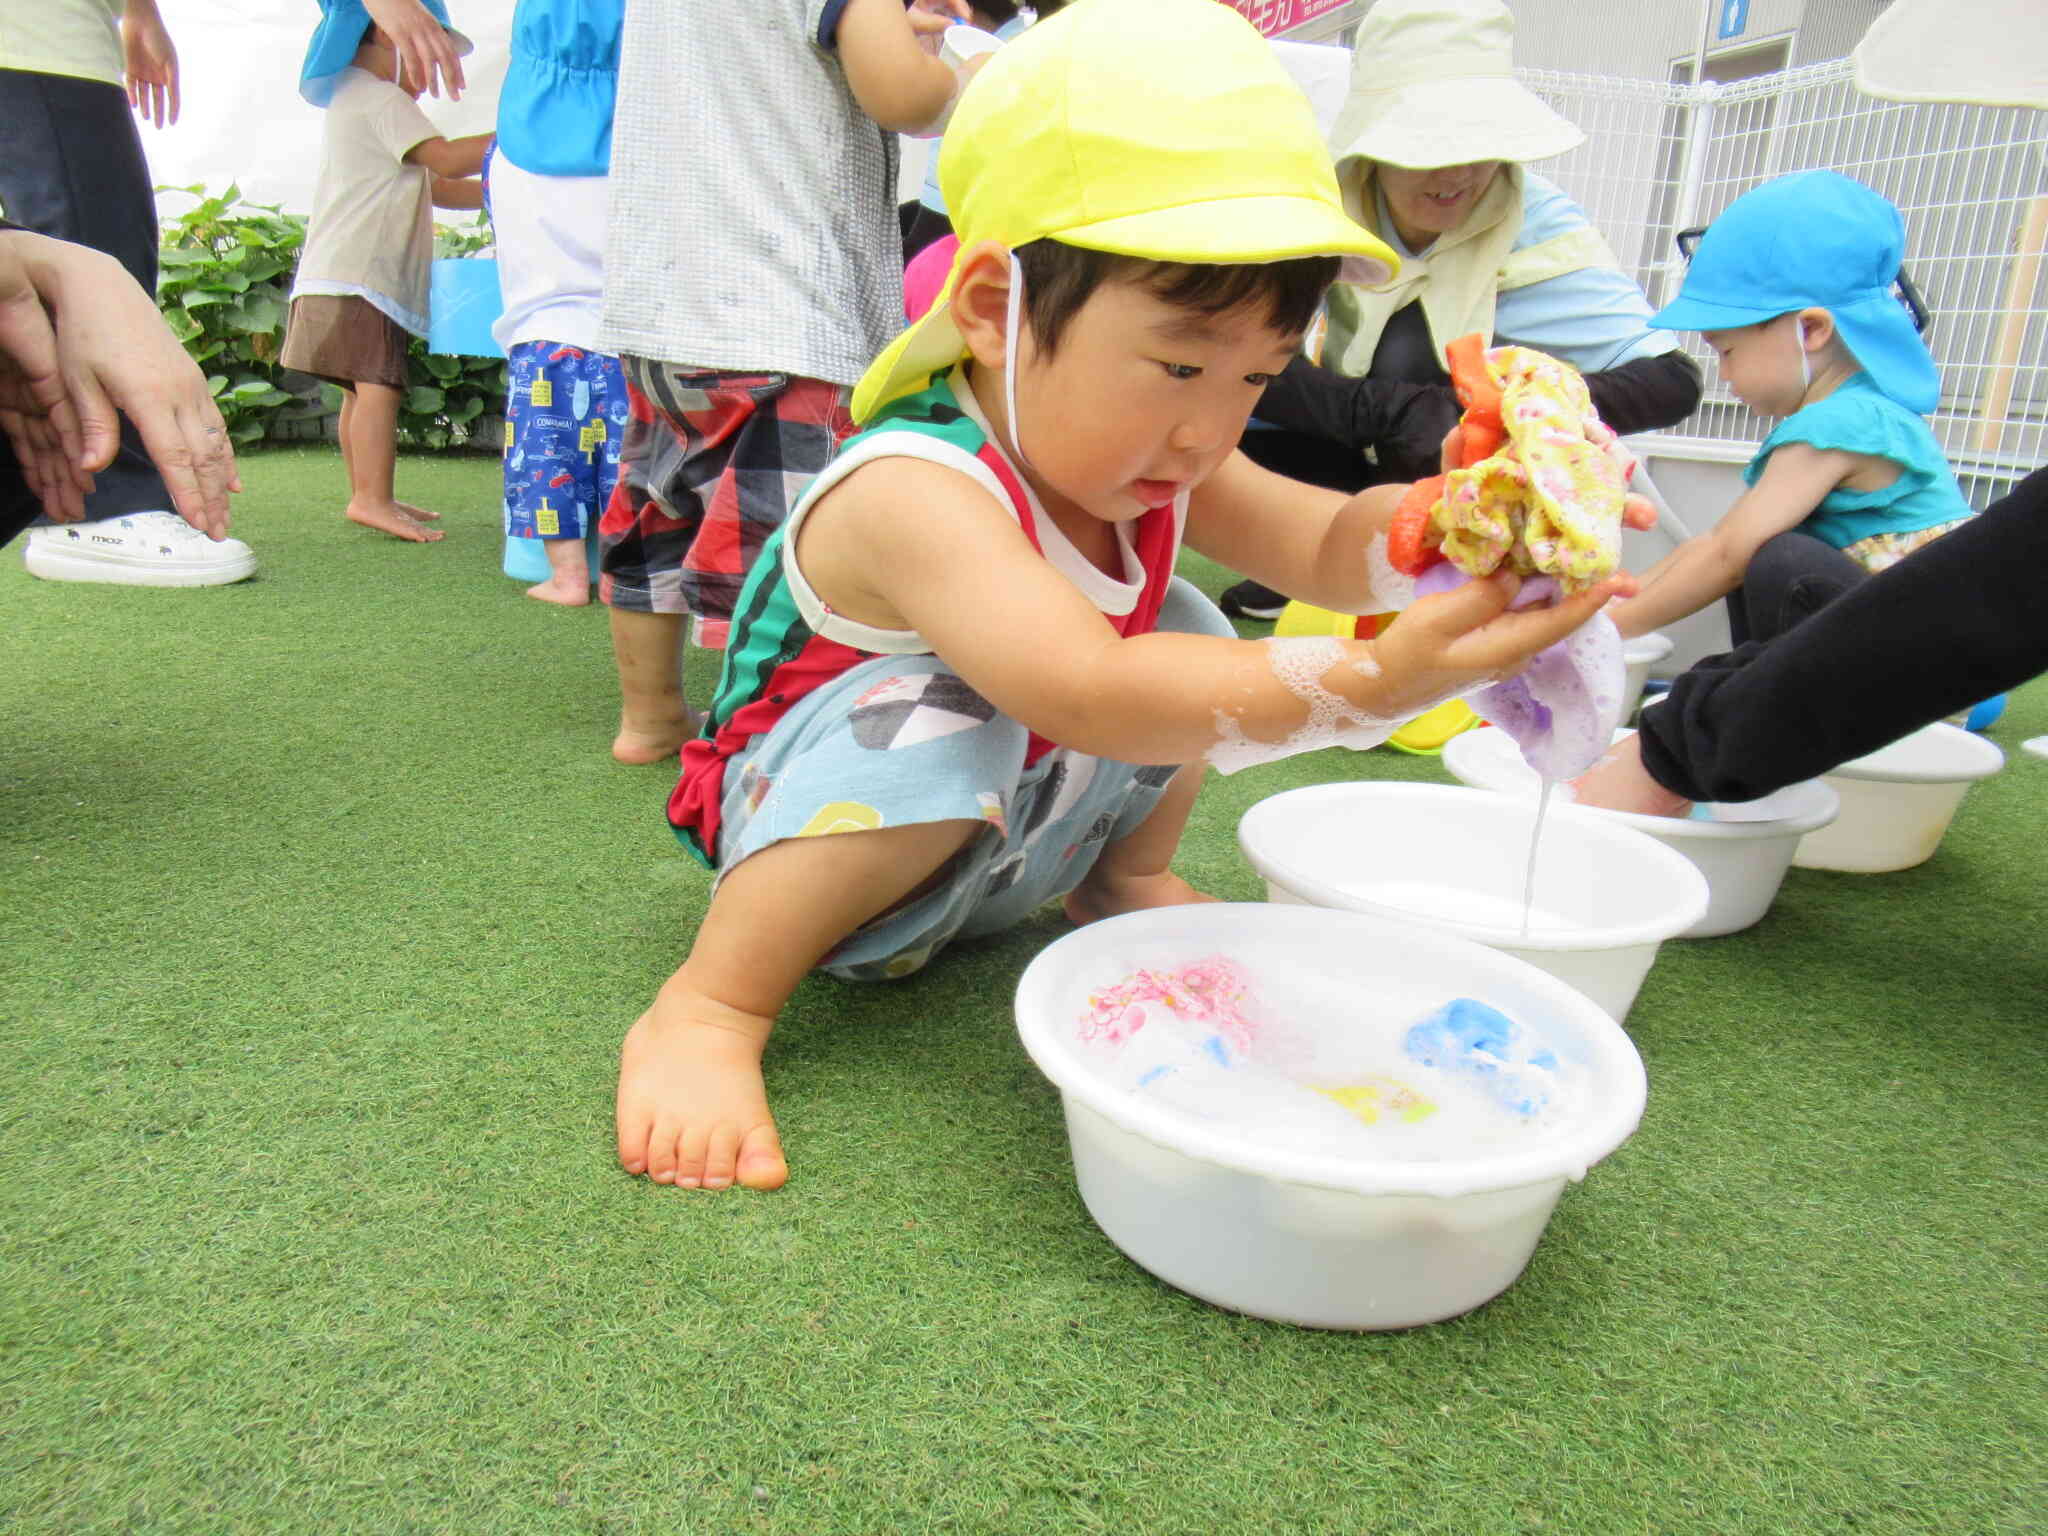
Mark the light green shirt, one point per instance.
(63, 37)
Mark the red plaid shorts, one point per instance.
(710, 465)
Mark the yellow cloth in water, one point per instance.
(1548, 501)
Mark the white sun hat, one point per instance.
(1433, 83)
(1990, 53)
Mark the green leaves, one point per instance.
(224, 284)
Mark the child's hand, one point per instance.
(1456, 641)
(929, 19)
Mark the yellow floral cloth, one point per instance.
(1548, 501)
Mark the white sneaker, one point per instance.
(142, 549)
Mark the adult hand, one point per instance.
(35, 412)
(81, 341)
(149, 63)
(424, 47)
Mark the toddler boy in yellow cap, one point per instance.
(963, 679)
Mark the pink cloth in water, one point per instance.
(926, 275)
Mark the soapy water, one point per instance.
(1391, 589)
(1461, 1079)
(1301, 662)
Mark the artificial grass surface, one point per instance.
(326, 908)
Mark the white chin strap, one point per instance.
(1012, 331)
(1805, 365)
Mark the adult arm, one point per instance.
(422, 42)
(149, 63)
(1402, 423)
(78, 335)
(1953, 623)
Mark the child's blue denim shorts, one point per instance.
(900, 740)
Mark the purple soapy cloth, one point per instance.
(1563, 707)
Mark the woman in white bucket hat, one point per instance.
(1432, 147)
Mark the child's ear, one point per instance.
(1820, 328)
(981, 301)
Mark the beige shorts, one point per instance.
(345, 340)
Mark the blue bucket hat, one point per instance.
(340, 34)
(1812, 239)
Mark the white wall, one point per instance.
(243, 120)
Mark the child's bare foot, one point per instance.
(1620, 782)
(569, 591)
(653, 741)
(1104, 894)
(419, 513)
(692, 1110)
(389, 517)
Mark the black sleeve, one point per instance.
(1954, 623)
(1402, 424)
(1648, 393)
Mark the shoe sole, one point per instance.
(61, 565)
(1265, 615)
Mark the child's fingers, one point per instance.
(1638, 511)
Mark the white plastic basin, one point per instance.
(1300, 1233)
(1898, 801)
(1457, 860)
(1637, 657)
(1743, 850)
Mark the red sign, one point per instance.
(1273, 17)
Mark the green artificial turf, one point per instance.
(325, 908)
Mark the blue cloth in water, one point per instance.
(1467, 1038)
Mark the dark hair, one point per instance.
(1059, 278)
(1001, 12)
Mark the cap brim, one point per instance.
(1690, 314)
(1452, 122)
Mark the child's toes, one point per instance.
(663, 1159)
(690, 1156)
(760, 1163)
(634, 1129)
(721, 1155)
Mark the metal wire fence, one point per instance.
(1971, 181)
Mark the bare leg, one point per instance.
(654, 720)
(568, 580)
(692, 1110)
(1133, 872)
(372, 457)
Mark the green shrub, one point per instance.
(224, 288)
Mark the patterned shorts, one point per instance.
(712, 463)
(1881, 551)
(899, 740)
(565, 416)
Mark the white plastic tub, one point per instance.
(1743, 850)
(1638, 656)
(1297, 1233)
(1897, 802)
(1456, 860)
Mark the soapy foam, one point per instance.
(1300, 662)
(1393, 1079)
(1391, 589)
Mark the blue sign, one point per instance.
(1734, 17)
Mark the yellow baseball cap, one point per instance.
(1161, 129)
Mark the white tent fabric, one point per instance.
(1990, 53)
(243, 121)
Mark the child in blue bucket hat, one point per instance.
(362, 287)
(1792, 288)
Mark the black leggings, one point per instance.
(1954, 622)
(1791, 577)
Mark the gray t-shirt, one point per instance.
(752, 224)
